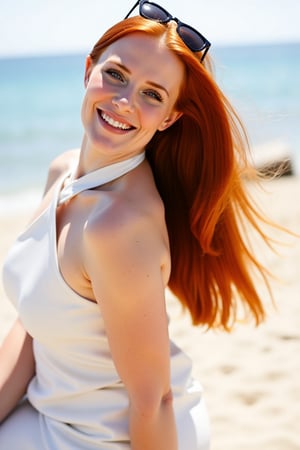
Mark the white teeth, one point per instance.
(114, 123)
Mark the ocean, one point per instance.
(40, 101)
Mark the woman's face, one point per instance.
(130, 94)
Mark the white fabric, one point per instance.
(98, 177)
(79, 401)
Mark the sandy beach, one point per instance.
(250, 377)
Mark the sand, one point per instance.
(250, 377)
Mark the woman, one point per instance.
(153, 199)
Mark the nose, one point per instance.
(124, 101)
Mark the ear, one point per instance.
(173, 116)
(88, 70)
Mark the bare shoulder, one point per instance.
(59, 165)
(131, 203)
(130, 227)
(129, 213)
(122, 218)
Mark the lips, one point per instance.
(113, 122)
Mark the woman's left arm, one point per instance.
(125, 269)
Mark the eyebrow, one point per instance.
(152, 83)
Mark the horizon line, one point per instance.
(78, 52)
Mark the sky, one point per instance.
(36, 27)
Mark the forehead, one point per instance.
(146, 55)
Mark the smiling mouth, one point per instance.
(114, 123)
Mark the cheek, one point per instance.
(84, 109)
(94, 88)
(91, 96)
(151, 116)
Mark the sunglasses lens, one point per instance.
(191, 38)
(153, 12)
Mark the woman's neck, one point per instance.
(91, 159)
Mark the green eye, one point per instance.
(115, 74)
(153, 95)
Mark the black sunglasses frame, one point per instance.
(180, 25)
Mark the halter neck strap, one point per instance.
(97, 177)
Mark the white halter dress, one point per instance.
(76, 400)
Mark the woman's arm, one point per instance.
(124, 264)
(16, 368)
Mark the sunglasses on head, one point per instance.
(191, 37)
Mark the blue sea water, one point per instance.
(40, 101)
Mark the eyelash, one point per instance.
(153, 94)
(118, 76)
(115, 74)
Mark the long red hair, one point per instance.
(199, 165)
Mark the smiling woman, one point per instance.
(154, 198)
(130, 95)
